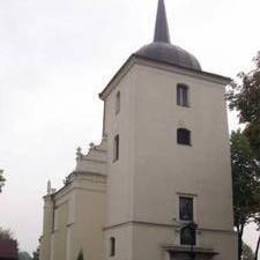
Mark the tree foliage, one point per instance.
(246, 185)
(36, 254)
(6, 234)
(244, 96)
(252, 132)
(24, 256)
(247, 252)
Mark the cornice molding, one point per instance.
(137, 59)
(177, 226)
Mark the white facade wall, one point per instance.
(79, 211)
(120, 173)
(153, 170)
(136, 199)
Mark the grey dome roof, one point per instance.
(165, 52)
(162, 50)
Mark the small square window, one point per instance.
(183, 136)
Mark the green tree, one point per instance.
(247, 252)
(24, 256)
(246, 185)
(2, 180)
(80, 256)
(252, 132)
(244, 96)
(6, 234)
(36, 254)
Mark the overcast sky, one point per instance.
(57, 55)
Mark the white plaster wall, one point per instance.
(147, 248)
(119, 191)
(223, 242)
(79, 220)
(60, 233)
(124, 242)
(144, 185)
(45, 244)
(165, 168)
(149, 241)
(87, 230)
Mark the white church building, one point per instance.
(159, 186)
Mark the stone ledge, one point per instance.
(187, 249)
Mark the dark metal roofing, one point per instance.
(162, 50)
(171, 54)
(161, 33)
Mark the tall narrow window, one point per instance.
(186, 209)
(188, 232)
(116, 148)
(54, 216)
(183, 136)
(118, 101)
(182, 95)
(112, 246)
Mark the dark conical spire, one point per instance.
(161, 28)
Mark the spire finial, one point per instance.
(49, 187)
(161, 28)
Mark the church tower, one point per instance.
(169, 189)
(158, 187)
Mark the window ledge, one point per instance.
(187, 249)
(188, 106)
(186, 145)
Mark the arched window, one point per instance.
(183, 136)
(112, 246)
(182, 95)
(188, 236)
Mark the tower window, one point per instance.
(112, 246)
(116, 148)
(183, 136)
(182, 95)
(186, 209)
(188, 236)
(188, 232)
(118, 102)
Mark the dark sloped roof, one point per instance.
(162, 49)
(169, 53)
